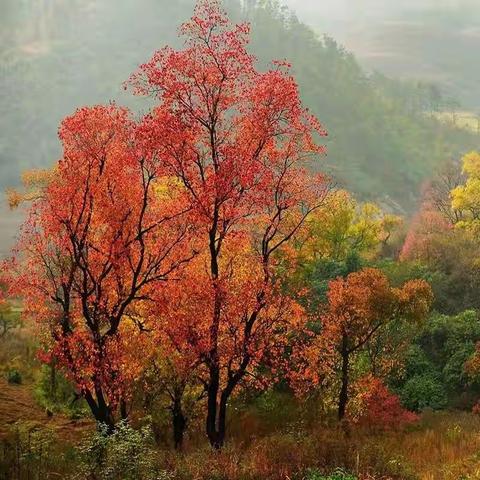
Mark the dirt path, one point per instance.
(17, 404)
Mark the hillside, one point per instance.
(199, 288)
(402, 39)
(381, 145)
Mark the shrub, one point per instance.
(126, 454)
(379, 408)
(423, 391)
(14, 377)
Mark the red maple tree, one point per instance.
(97, 243)
(237, 141)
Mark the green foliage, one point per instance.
(14, 377)
(381, 141)
(417, 362)
(318, 273)
(31, 451)
(9, 319)
(423, 391)
(338, 474)
(400, 272)
(434, 372)
(126, 454)
(55, 392)
(275, 408)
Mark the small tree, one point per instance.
(359, 307)
(99, 239)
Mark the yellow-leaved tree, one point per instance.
(466, 197)
(344, 225)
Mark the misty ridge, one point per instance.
(56, 55)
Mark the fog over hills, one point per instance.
(56, 55)
(433, 40)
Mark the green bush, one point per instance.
(423, 391)
(127, 454)
(55, 392)
(338, 474)
(14, 377)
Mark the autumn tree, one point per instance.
(98, 240)
(237, 141)
(466, 196)
(343, 226)
(359, 306)
(443, 236)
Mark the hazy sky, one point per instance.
(337, 17)
(430, 40)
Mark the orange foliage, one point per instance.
(359, 307)
(98, 242)
(237, 141)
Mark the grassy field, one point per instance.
(464, 120)
(276, 444)
(278, 439)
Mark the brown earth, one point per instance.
(18, 404)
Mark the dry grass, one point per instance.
(443, 446)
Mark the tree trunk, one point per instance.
(212, 407)
(101, 411)
(179, 423)
(123, 409)
(343, 397)
(216, 431)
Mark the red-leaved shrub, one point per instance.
(378, 408)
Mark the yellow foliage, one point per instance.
(34, 183)
(466, 198)
(343, 225)
(167, 188)
(471, 165)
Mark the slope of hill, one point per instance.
(56, 55)
(432, 40)
(381, 143)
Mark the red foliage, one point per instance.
(378, 408)
(97, 243)
(237, 141)
(425, 228)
